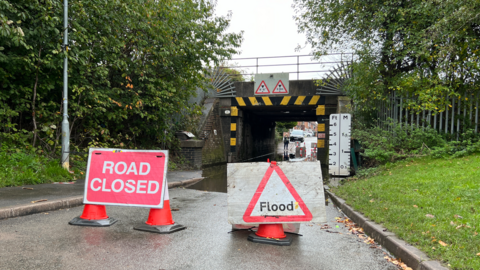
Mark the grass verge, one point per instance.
(22, 168)
(433, 204)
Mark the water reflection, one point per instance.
(216, 179)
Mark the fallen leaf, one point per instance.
(416, 206)
(372, 200)
(478, 254)
(429, 215)
(451, 223)
(433, 248)
(175, 209)
(457, 216)
(39, 201)
(442, 243)
(29, 188)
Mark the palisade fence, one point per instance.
(456, 118)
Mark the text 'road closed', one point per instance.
(126, 177)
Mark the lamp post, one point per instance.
(65, 124)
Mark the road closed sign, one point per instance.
(280, 192)
(126, 177)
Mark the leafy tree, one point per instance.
(234, 74)
(284, 126)
(428, 49)
(133, 64)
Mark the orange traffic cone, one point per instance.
(93, 215)
(160, 220)
(272, 234)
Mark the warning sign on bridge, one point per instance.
(280, 192)
(280, 88)
(271, 84)
(262, 89)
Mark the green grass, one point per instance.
(23, 168)
(399, 196)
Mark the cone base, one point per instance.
(93, 223)
(287, 241)
(163, 229)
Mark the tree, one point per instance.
(132, 65)
(405, 46)
(285, 126)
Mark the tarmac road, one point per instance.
(46, 241)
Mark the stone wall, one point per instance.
(214, 149)
(192, 151)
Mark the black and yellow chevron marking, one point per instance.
(320, 110)
(320, 143)
(278, 101)
(233, 130)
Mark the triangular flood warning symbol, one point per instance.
(279, 88)
(262, 89)
(275, 200)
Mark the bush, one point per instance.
(400, 142)
(382, 146)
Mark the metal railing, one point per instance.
(460, 115)
(343, 57)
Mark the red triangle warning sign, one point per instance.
(280, 88)
(275, 200)
(262, 89)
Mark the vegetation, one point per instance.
(433, 204)
(400, 142)
(22, 167)
(133, 64)
(285, 126)
(234, 74)
(424, 49)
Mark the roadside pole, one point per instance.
(65, 124)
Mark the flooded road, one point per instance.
(215, 179)
(216, 176)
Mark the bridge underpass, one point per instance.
(248, 120)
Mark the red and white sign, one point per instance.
(280, 88)
(276, 200)
(262, 89)
(126, 177)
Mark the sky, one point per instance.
(269, 30)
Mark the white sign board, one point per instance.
(283, 192)
(271, 84)
(339, 148)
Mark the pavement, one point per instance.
(29, 199)
(47, 241)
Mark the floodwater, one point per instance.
(215, 179)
